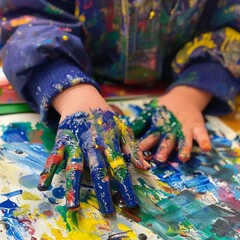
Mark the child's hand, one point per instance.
(96, 139)
(186, 104)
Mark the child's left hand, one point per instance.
(174, 119)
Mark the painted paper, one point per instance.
(196, 200)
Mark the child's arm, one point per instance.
(207, 79)
(207, 72)
(46, 62)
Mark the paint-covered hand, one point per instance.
(157, 126)
(179, 123)
(96, 140)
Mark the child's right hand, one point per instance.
(96, 139)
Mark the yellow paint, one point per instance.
(76, 80)
(40, 215)
(45, 237)
(22, 210)
(129, 231)
(122, 126)
(65, 37)
(124, 7)
(151, 15)
(60, 222)
(100, 122)
(4, 189)
(92, 201)
(85, 226)
(76, 9)
(29, 196)
(205, 40)
(230, 36)
(231, 104)
(78, 153)
(115, 163)
(237, 159)
(82, 18)
(21, 21)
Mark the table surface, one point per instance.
(196, 200)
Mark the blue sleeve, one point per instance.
(212, 77)
(211, 61)
(42, 55)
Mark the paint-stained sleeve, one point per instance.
(42, 52)
(211, 61)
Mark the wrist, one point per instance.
(78, 98)
(198, 97)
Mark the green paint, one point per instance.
(53, 10)
(62, 210)
(120, 173)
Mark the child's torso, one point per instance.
(127, 39)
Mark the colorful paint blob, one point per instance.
(199, 199)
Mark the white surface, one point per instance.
(219, 126)
(20, 117)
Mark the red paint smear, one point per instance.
(74, 167)
(131, 215)
(27, 226)
(48, 213)
(228, 198)
(87, 4)
(54, 159)
(43, 178)
(70, 197)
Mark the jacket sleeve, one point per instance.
(211, 61)
(42, 52)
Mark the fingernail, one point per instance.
(160, 157)
(205, 146)
(147, 155)
(148, 166)
(183, 157)
(143, 165)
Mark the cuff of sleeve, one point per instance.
(49, 80)
(212, 77)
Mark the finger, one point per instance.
(140, 124)
(74, 170)
(166, 146)
(200, 134)
(149, 140)
(52, 163)
(130, 147)
(165, 120)
(100, 178)
(184, 139)
(120, 174)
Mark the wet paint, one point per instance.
(157, 127)
(195, 200)
(94, 138)
(24, 131)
